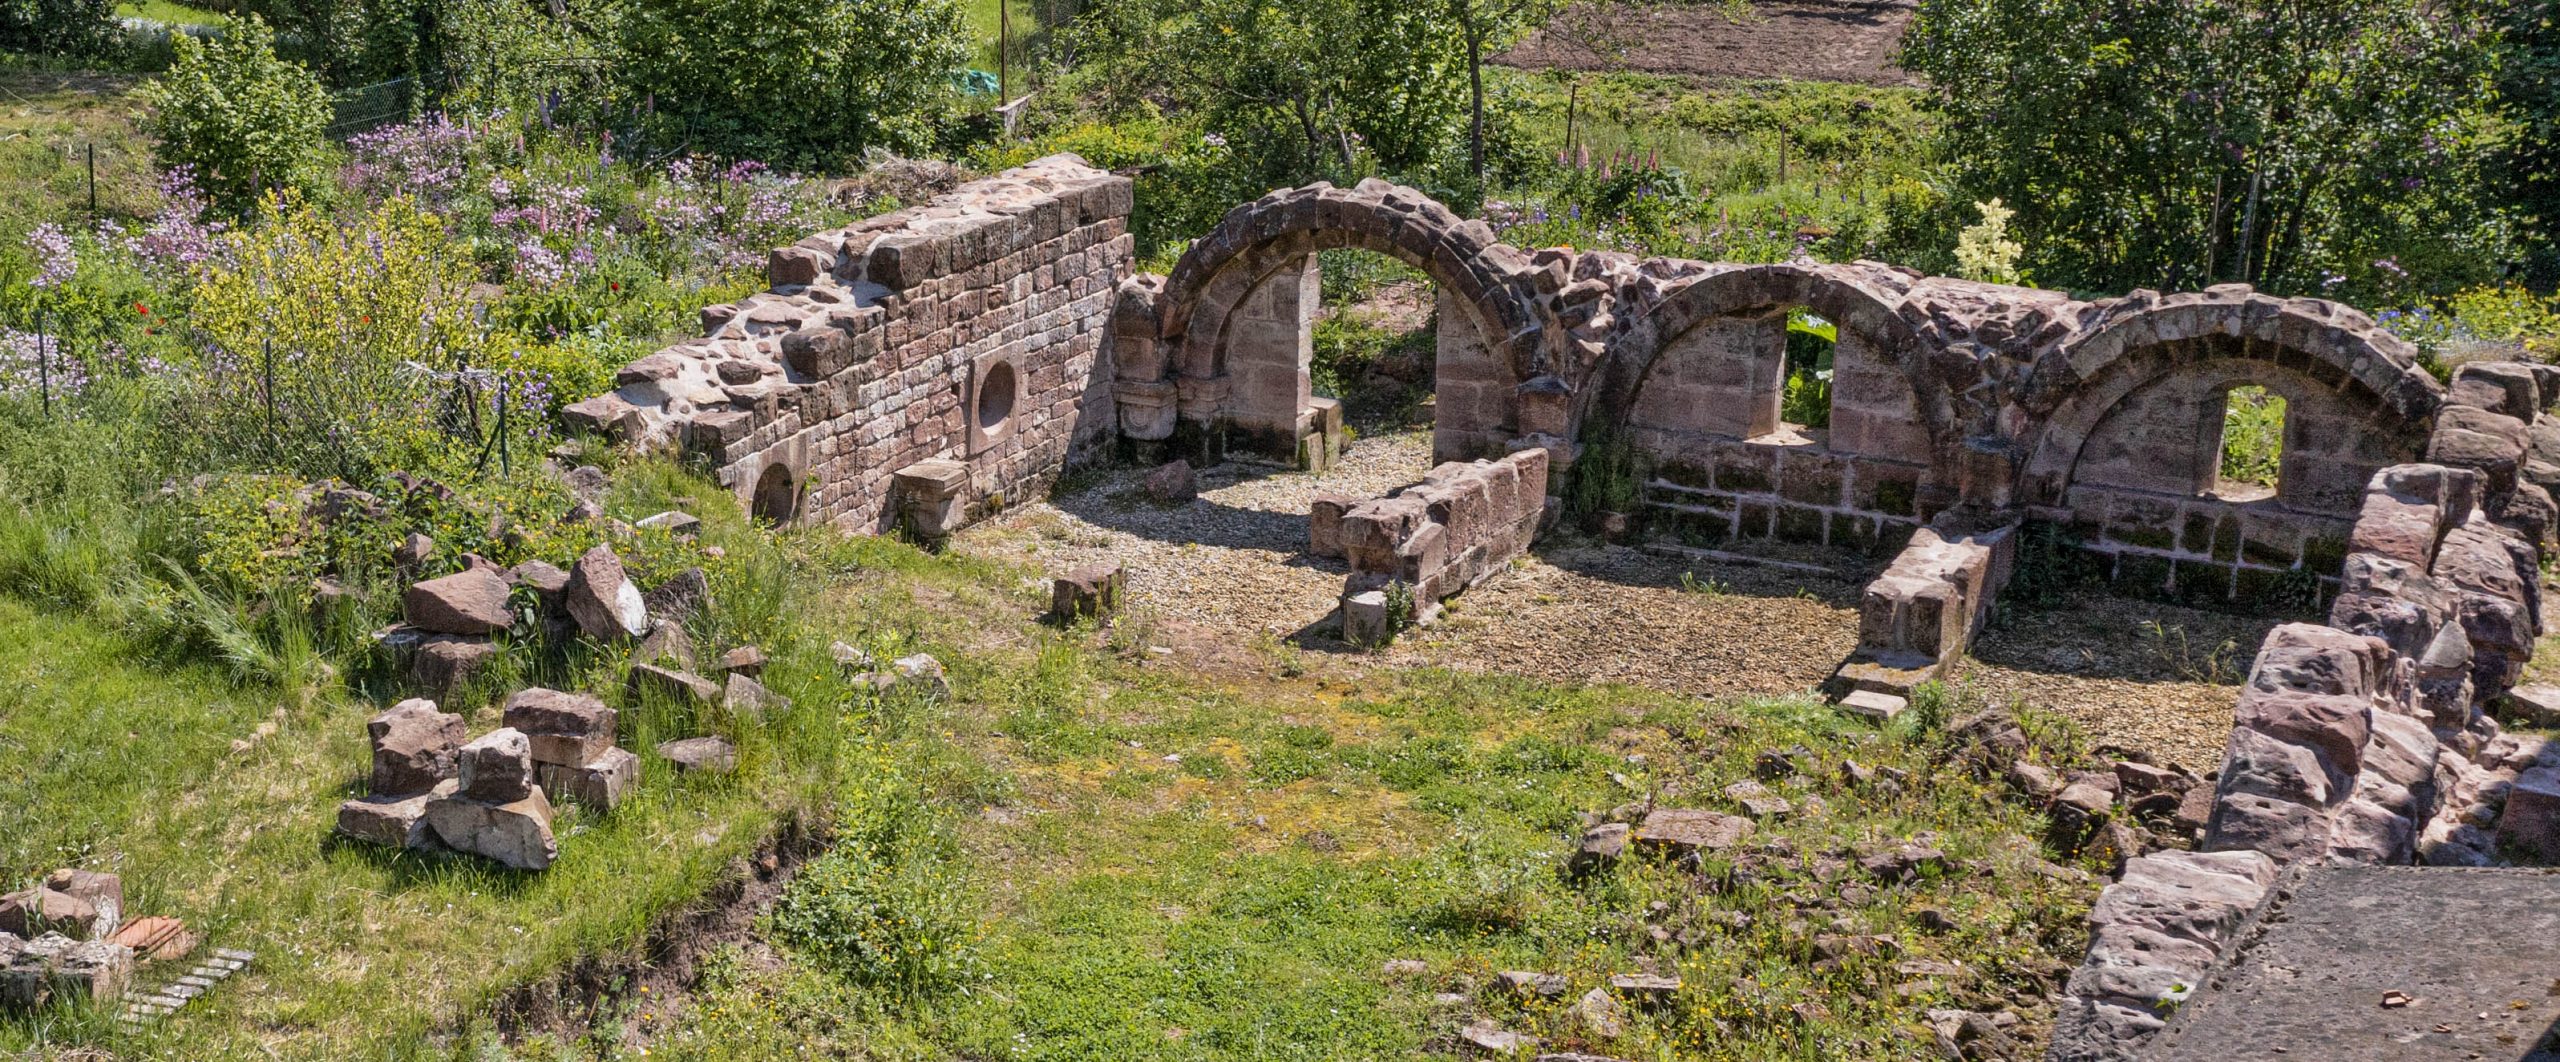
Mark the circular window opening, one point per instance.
(777, 498)
(995, 398)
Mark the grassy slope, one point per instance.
(48, 121)
(112, 762)
(1189, 869)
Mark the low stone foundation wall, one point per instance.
(1704, 491)
(1463, 522)
(1916, 620)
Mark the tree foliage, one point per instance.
(245, 119)
(1299, 89)
(82, 28)
(2529, 85)
(795, 82)
(2332, 146)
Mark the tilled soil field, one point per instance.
(1849, 41)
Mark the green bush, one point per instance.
(77, 28)
(245, 120)
(806, 83)
(884, 907)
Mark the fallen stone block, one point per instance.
(1090, 592)
(607, 605)
(1601, 846)
(747, 696)
(709, 755)
(1874, 704)
(38, 911)
(2536, 706)
(394, 820)
(1364, 618)
(473, 601)
(2531, 824)
(515, 833)
(598, 785)
(1681, 832)
(444, 662)
(413, 746)
(1172, 483)
(571, 729)
(923, 672)
(155, 938)
(667, 644)
(650, 680)
(679, 524)
(497, 768)
(745, 660)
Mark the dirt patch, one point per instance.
(661, 972)
(2135, 674)
(1589, 613)
(1851, 41)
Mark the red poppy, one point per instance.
(142, 309)
(617, 285)
(365, 319)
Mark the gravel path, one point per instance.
(1229, 571)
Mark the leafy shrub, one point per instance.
(79, 28)
(328, 345)
(885, 907)
(804, 82)
(2253, 436)
(244, 119)
(1984, 250)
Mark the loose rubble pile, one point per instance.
(431, 790)
(68, 941)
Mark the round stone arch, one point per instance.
(2128, 400)
(1215, 313)
(1895, 405)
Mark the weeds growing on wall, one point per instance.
(1607, 478)
(2050, 566)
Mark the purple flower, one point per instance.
(55, 259)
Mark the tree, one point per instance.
(796, 82)
(2529, 85)
(1300, 89)
(2323, 146)
(245, 119)
(57, 27)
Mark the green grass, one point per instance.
(168, 11)
(48, 122)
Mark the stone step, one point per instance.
(1874, 705)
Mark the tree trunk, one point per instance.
(1475, 96)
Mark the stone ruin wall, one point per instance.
(1961, 413)
(852, 391)
(2364, 740)
(947, 350)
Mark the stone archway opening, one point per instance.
(776, 500)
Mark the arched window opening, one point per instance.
(2251, 450)
(1805, 403)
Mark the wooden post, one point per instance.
(93, 180)
(1004, 52)
(44, 365)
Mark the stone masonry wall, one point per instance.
(1464, 521)
(2364, 740)
(955, 350)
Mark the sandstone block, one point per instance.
(710, 755)
(496, 768)
(600, 784)
(515, 833)
(396, 820)
(1090, 592)
(606, 604)
(562, 728)
(684, 687)
(473, 601)
(443, 662)
(744, 660)
(41, 910)
(1678, 832)
(746, 696)
(413, 746)
(1172, 483)
(2531, 824)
